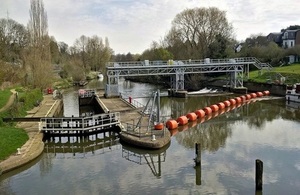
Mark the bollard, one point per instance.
(130, 100)
(258, 174)
(153, 138)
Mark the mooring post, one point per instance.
(258, 174)
(198, 163)
(198, 154)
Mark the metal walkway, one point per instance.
(235, 67)
(79, 125)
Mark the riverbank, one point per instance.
(35, 145)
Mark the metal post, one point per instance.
(258, 174)
(158, 106)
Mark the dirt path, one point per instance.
(10, 101)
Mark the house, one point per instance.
(276, 37)
(287, 39)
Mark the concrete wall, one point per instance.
(278, 90)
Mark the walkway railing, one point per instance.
(142, 131)
(80, 124)
(251, 60)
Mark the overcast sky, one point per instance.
(132, 25)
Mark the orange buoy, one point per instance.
(221, 105)
(171, 124)
(243, 98)
(207, 110)
(214, 108)
(259, 94)
(232, 101)
(159, 126)
(248, 97)
(182, 120)
(227, 103)
(238, 100)
(253, 95)
(191, 116)
(266, 93)
(200, 113)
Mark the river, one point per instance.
(268, 130)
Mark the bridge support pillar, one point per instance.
(177, 81)
(112, 86)
(236, 79)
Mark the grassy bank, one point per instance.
(291, 73)
(4, 94)
(11, 137)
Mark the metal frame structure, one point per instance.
(235, 67)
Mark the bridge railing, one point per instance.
(183, 62)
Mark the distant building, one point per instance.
(287, 39)
(276, 37)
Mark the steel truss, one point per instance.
(234, 67)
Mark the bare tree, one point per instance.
(94, 54)
(194, 30)
(80, 46)
(39, 71)
(13, 39)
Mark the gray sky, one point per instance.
(132, 25)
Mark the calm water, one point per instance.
(230, 143)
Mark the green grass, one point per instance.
(4, 94)
(290, 72)
(11, 138)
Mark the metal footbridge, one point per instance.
(234, 67)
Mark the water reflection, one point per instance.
(152, 158)
(81, 146)
(230, 142)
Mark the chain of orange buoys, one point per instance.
(205, 114)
